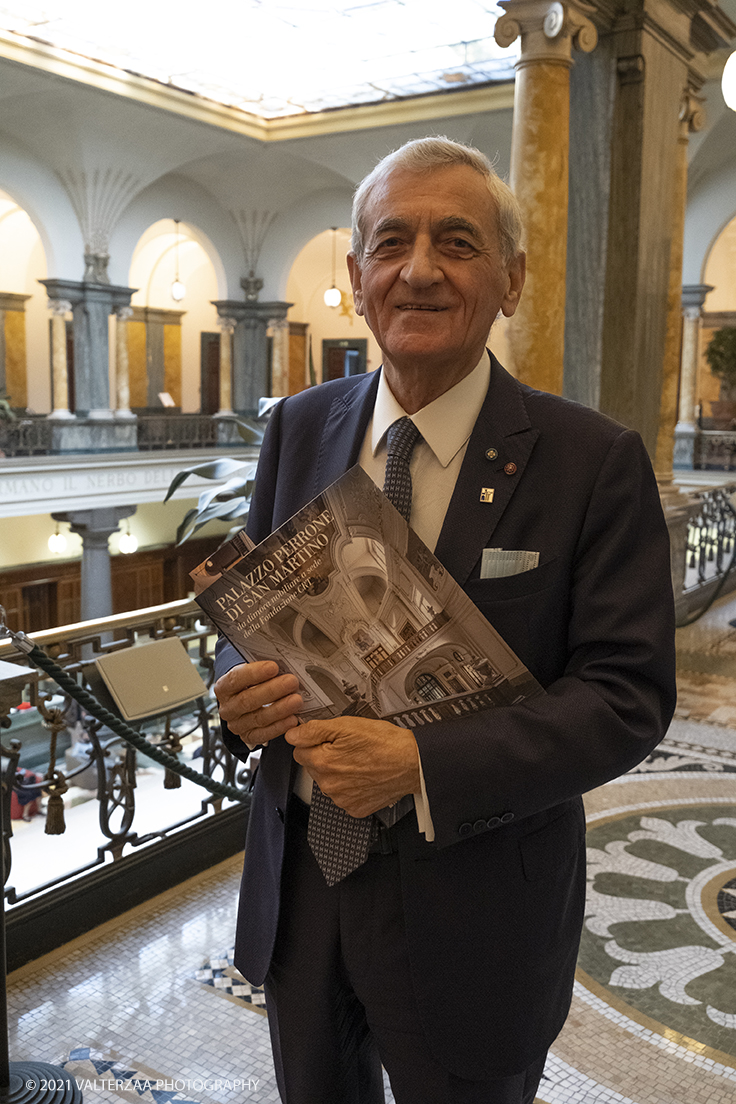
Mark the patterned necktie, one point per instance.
(340, 843)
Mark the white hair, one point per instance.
(425, 154)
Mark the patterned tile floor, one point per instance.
(148, 1007)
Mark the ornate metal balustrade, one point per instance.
(710, 561)
(26, 437)
(176, 431)
(36, 435)
(113, 762)
(715, 450)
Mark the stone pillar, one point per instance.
(693, 297)
(92, 304)
(279, 328)
(691, 118)
(227, 328)
(539, 174)
(251, 370)
(59, 309)
(95, 528)
(652, 44)
(122, 367)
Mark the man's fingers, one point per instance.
(256, 702)
(311, 734)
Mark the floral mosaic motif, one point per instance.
(622, 875)
(676, 756)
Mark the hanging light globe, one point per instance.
(57, 543)
(178, 291)
(333, 297)
(128, 543)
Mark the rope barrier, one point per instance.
(71, 687)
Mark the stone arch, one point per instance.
(171, 197)
(165, 335)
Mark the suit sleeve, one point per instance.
(258, 528)
(614, 695)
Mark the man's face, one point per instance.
(432, 278)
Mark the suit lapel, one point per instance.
(344, 430)
(504, 428)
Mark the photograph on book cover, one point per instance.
(346, 596)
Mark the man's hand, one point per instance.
(362, 764)
(256, 702)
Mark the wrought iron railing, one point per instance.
(715, 450)
(26, 437)
(112, 762)
(34, 435)
(710, 549)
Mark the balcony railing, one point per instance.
(36, 435)
(106, 766)
(715, 450)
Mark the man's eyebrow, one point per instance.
(389, 224)
(456, 222)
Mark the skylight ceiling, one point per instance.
(275, 59)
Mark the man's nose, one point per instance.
(421, 268)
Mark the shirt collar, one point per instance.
(446, 423)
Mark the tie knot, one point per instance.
(401, 437)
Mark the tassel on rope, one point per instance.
(55, 824)
(172, 780)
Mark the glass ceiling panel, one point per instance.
(275, 59)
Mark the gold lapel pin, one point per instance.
(486, 494)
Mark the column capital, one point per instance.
(59, 306)
(251, 311)
(548, 29)
(693, 297)
(95, 525)
(124, 313)
(693, 116)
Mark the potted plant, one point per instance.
(721, 357)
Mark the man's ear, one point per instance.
(516, 274)
(356, 280)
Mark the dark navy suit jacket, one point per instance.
(494, 908)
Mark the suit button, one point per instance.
(507, 818)
(465, 829)
(479, 826)
(510, 468)
(280, 814)
(493, 822)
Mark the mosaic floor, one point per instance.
(149, 1007)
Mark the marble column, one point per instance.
(251, 369)
(95, 528)
(92, 304)
(59, 309)
(693, 298)
(279, 328)
(539, 174)
(692, 118)
(227, 328)
(122, 365)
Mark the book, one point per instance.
(347, 597)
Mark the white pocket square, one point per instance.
(497, 563)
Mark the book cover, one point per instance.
(345, 596)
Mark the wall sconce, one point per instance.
(178, 289)
(333, 297)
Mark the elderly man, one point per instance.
(448, 953)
